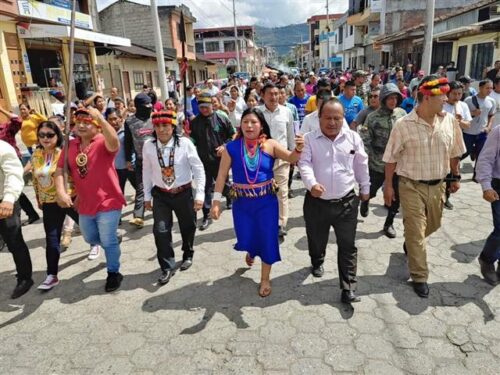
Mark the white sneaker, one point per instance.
(94, 252)
(50, 282)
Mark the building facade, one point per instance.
(320, 33)
(218, 44)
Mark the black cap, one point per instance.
(142, 100)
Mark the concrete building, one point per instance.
(373, 19)
(131, 20)
(320, 29)
(34, 52)
(217, 44)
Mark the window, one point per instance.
(149, 79)
(229, 46)
(212, 46)
(156, 76)
(199, 47)
(351, 30)
(482, 56)
(138, 80)
(341, 34)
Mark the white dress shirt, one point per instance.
(187, 165)
(311, 123)
(280, 122)
(11, 174)
(459, 108)
(337, 165)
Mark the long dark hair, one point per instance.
(263, 123)
(174, 135)
(53, 126)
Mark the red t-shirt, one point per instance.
(99, 190)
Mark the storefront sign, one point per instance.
(26, 62)
(66, 4)
(46, 12)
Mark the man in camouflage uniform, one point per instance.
(375, 134)
(359, 78)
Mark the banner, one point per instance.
(46, 12)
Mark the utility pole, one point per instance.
(236, 39)
(301, 52)
(327, 37)
(429, 31)
(160, 59)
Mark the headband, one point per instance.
(164, 117)
(436, 87)
(83, 115)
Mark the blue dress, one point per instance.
(255, 218)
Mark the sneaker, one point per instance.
(113, 281)
(94, 252)
(448, 205)
(137, 221)
(65, 240)
(50, 282)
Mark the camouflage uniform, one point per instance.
(375, 134)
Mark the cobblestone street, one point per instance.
(210, 320)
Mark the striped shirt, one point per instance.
(421, 151)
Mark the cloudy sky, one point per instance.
(270, 13)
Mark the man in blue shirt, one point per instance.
(300, 99)
(352, 104)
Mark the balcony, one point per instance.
(361, 16)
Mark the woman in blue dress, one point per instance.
(255, 209)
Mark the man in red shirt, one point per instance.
(99, 197)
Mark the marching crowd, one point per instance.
(347, 134)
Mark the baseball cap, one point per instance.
(465, 79)
(359, 73)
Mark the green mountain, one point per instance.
(281, 38)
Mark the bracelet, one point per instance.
(217, 196)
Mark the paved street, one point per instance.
(210, 320)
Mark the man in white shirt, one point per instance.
(169, 164)
(11, 186)
(110, 102)
(332, 163)
(211, 88)
(311, 121)
(495, 94)
(280, 121)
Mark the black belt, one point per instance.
(430, 182)
(175, 190)
(346, 197)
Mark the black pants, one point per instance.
(290, 176)
(139, 191)
(182, 205)
(123, 176)
(376, 182)
(53, 220)
(211, 171)
(26, 206)
(10, 230)
(319, 216)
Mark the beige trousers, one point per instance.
(281, 170)
(422, 207)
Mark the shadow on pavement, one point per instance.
(467, 252)
(229, 295)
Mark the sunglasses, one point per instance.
(46, 135)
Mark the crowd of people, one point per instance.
(348, 133)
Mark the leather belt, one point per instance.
(346, 197)
(430, 182)
(175, 190)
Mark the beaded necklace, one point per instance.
(251, 161)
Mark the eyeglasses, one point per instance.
(46, 135)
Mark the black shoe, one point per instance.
(488, 272)
(229, 204)
(405, 249)
(204, 223)
(389, 231)
(282, 232)
(186, 264)
(348, 296)
(22, 287)
(113, 281)
(31, 220)
(448, 205)
(165, 277)
(422, 289)
(318, 271)
(363, 209)
(291, 194)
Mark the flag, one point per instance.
(182, 29)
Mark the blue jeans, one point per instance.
(101, 230)
(474, 144)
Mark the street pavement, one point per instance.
(210, 320)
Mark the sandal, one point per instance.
(265, 291)
(249, 260)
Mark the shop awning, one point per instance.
(61, 31)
